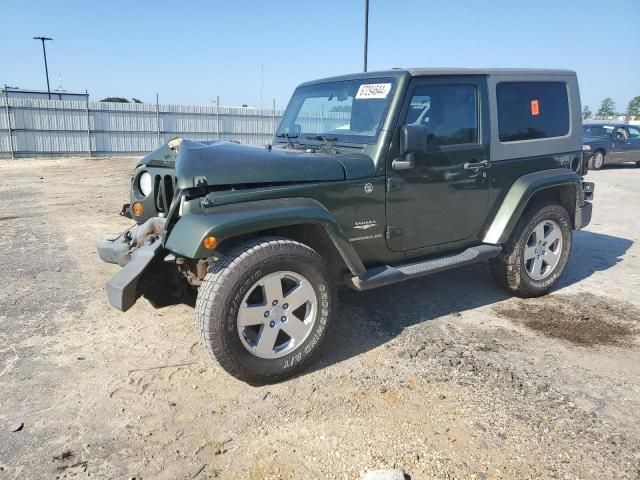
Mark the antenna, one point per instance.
(60, 88)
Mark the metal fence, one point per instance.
(37, 127)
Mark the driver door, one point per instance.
(444, 197)
(620, 147)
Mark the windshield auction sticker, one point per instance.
(373, 90)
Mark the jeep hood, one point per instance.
(228, 163)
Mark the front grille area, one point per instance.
(163, 191)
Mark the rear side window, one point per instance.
(532, 110)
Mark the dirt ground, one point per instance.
(444, 377)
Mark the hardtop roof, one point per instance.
(419, 72)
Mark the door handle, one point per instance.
(477, 165)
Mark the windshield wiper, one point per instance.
(327, 140)
(288, 137)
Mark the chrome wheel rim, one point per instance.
(277, 314)
(598, 160)
(543, 249)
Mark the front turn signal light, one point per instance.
(137, 209)
(210, 242)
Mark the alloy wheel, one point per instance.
(543, 250)
(277, 314)
(598, 161)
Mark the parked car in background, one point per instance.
(611, 143)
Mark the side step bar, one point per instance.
(386, 275)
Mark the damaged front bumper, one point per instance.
(134, 250)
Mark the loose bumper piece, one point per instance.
(134, 250)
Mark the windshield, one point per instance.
(598, 131)
(346, 111)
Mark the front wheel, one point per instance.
(536, 253)
(597, 161)
(264, 309)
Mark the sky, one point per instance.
(192, 51)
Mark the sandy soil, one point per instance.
(445, 377)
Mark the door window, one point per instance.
(634, 132)
(450, 113)
(620, 134)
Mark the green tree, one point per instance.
(586, 113)
(607, 109)
(115, 100)
(633, 109)
(135, 100)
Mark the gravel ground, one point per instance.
(444, 377)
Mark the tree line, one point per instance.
(121, 100)
(607, 110)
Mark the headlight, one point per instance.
(144, 183)
(586, 148)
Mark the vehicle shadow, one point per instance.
(618, 166)
(369, 319)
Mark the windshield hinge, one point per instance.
(394, 183)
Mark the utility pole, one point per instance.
(46, 69)
(366, 31)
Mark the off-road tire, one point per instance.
(596, 162)
(509, 268)
(224, 288)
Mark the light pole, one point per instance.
(366, 31)
(46, 69)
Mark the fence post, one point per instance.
(218, 117)
(6, 109)
(273, 118)
(158, 118)
(86, 107)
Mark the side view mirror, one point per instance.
(296, 129)
(413, 139)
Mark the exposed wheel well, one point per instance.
(313, 235)
(564, 195)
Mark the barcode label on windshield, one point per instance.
(373, 90)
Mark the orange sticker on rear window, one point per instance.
(535, 108)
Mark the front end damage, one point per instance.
(134, 250)
(147, 269)
(193, 188)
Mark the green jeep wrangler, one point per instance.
(372, 179)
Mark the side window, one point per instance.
(450, 113)
(532, 110)
(634, 132)
(620, 134)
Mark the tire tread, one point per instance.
(216, 286)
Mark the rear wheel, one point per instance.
(263, 309)
(597, 161)
(537, 251)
